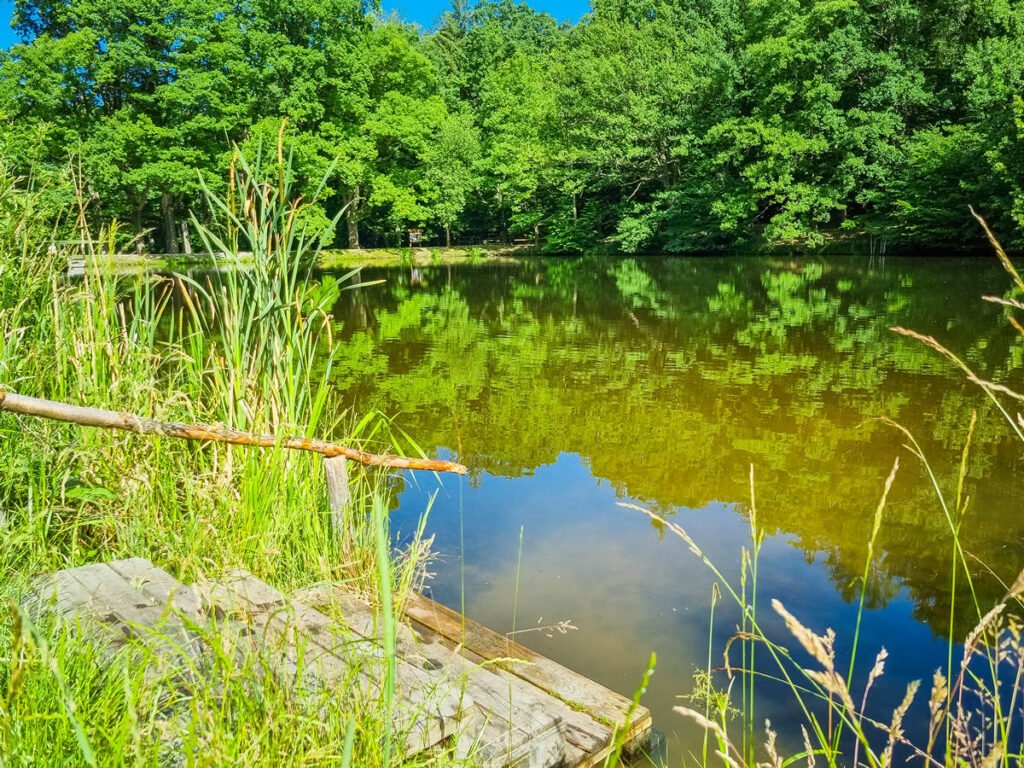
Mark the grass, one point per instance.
(424, 257)
(70, 704)
(975, 713)
(251, 348)
(254, 348)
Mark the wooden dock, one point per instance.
(458, 685)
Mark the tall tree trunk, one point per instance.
(170, 226)
(350, 219)
(447, 237)
(186, 239)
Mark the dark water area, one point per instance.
(570, 386)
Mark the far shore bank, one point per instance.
(351, 258)
(486, 254)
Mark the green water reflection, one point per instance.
(667, 379)
(672, 376)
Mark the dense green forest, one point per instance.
(649, 125)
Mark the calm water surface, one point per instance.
(569, 386)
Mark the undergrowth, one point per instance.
(249, 347)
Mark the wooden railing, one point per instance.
(335, 455)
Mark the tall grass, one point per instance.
(249, 347)
(975, 713)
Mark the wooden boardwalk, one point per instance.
(457, 682)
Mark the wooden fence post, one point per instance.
(336, 472)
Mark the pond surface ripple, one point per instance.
(570, 385)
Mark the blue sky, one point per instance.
(424, 12)
(7, 36)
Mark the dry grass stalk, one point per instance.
(735, 759)
(987, 621)
(877, 524)
(1005, 302)
(937, 706)
(808, 749)
(971, 375)
(876, 671)
(822, 648)
(1003, 258)
(676, 529)
(896, 726)
(774, 761)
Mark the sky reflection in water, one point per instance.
(569, 386)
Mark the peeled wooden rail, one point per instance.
(129, 422)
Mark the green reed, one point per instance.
(249, 346)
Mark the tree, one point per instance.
(145, 92)
(470, 42)
(640, 87)
(518, 104)
(829, 87)
(154, 94)
(651, 124)
(449, 171)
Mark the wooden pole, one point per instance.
(338, 493)
(128, 422)
(336, 472)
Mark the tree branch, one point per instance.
(128, 422)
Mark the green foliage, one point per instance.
(250, 346)
(661, 125)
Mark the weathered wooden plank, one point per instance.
(93, 591)
(106, 606)
(160, 586)
(428, 711)
(353, 613)
(293, 651)
(452, 677)
(136, 614)
(582, 732)
(108, 592)
(179, 606)
(492, 742)
(514, 724)
(589, 740)
(111, 602)
(61, 592)
(577, 692)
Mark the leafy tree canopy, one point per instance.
(651, 125)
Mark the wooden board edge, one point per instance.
(425, 608)
(637, 731)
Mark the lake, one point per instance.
(571, 385)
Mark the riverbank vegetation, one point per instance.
(251, 348)
(655, 125)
